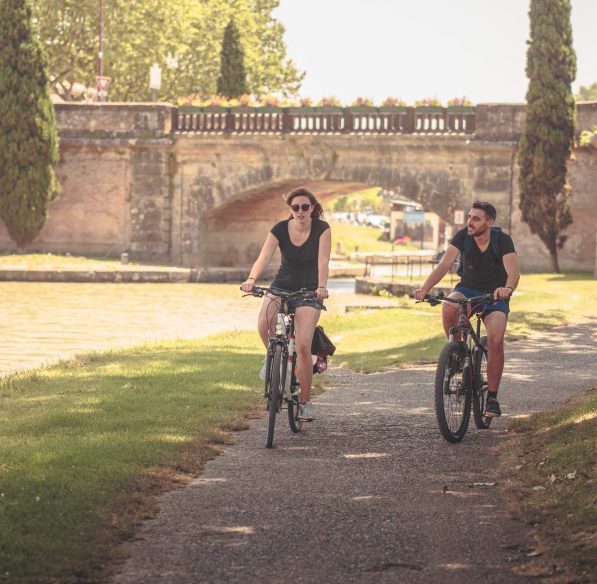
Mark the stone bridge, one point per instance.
(202, 187)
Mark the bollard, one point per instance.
(124, 258)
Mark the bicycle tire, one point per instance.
(293, 403)
(452, 393)
(480, 387)
(274, 395)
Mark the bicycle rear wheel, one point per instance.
(452, 393)
(274, 394)
(480, 387)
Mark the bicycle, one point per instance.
(281, 383)
(461, 374)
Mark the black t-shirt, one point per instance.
(299, 267)
(483, 271)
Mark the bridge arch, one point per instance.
(231, 188)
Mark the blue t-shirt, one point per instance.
(299, 267)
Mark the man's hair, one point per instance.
(487, 208)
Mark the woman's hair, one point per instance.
(317, 211)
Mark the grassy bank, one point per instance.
(366, 239)
(85, 444)
(554, 480)
(379, 340)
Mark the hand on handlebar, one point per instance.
(321, 293)
(502, 293)
(420, 294)
(248, 286)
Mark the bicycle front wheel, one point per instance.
(274, 394)
(480, 387)
(452, 392)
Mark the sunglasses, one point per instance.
(303, 207)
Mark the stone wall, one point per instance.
(129, 183)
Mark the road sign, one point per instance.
(459, 217)
(414, 217)
(155, 77)
(102, 82)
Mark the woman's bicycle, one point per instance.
(461, 374)
(281, 384)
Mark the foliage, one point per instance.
(546, 142)
(357, 201)
(184, 37)
(587, 138)
(362, 101)
(330, 101)
(459, 101)
(428, 101)
(391, 101)
(28, 137)
(587, 93)
(233, 78)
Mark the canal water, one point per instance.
(44, 322)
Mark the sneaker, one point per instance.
(493, 408)
(306, 412)
(263, 369)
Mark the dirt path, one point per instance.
(359, 497)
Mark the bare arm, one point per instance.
(323, 264)
(513, 270)
(439, 272)
(267, 251)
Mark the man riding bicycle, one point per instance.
(488, 265)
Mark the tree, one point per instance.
(28, 138)
(233, 79)
(587, 93)
(546, 142)
(138, 33)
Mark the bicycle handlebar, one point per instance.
(260, 291)
(483, 298)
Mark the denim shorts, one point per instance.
(294, 303)
(499, 306)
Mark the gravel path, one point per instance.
(359, 497)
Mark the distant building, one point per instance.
(409, 219)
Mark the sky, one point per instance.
(416, 49)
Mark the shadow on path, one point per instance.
(369, 493)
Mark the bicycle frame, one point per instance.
(459, 381)
(284, 335)
(469, 337)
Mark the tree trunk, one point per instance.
(553, 256)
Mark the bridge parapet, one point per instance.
(325, 120)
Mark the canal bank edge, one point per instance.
(168, 275)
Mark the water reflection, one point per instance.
(43, 322)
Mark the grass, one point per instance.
(554, 474)
(49, 261)
(82, 444)
(367, 239)
(85, 444)
(379, 340)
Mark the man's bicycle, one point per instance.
(461, 374)
(281, 384)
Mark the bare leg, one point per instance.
(266, 321)
(495, 324)
(450, 314)
(305, 319)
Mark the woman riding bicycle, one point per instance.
(305, 244)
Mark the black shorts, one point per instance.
(294, 303)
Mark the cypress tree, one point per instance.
(233, 80)
(546, 142)
(28, 138)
